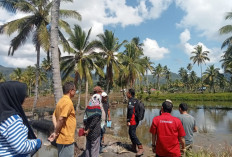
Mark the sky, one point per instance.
(169, 29)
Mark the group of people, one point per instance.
(168, 132)
(18, 139)
(96, 115)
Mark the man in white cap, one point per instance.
(105, 104)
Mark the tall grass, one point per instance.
(187, 96)
(221, 151)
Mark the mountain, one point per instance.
(6, 71)
(153, 79)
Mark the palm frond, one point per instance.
(43, 37)
(227, 42)
(228, 16)
(63, 24)
(226, 29)
(64, 42)
(25, 7)
(20, 38)
(15, 25)
(70, 13)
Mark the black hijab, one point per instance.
(12, 95)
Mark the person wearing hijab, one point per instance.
(16, 136)
(94, 114)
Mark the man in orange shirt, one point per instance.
(64, 121)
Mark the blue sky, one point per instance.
(169, 29)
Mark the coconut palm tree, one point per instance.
(36, 21)
(81, 62)
(109, 46)
(211, 75)
(193, 80)
(2, 77)
(158, 72)
(133, 63)
(226, 30)
(17, 74)
(184, 76)
(167, 75)
(29, 78)
(199, 57)
(223, 82)
(47, 68)
(148, 67)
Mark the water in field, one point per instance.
(211, 120)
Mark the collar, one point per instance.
(66, 96)
(165, 113)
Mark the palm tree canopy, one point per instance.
(226, 30)
(36, 21)
(81, 61)
(200, 56)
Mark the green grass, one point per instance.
(187, 96)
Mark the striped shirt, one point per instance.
(13, 138)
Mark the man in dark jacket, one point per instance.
(133, 122)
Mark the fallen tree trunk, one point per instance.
(43, 125)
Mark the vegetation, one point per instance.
(186, 96)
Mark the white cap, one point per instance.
(104, 94)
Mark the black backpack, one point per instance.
(139, 110)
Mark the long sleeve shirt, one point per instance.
(131, 111)
(94, 126)
(14, 138)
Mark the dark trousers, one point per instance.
(133, 136)
(103, 130)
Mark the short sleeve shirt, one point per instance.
(168, 129)
(189, 123)
(64, 108)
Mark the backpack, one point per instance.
(139, 110)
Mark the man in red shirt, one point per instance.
(167, 131)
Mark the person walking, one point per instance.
(16, 135)
(133, 122)
(94, 119)
(64, 121)
(188, 123)
(166, 132)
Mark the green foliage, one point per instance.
(188, 97)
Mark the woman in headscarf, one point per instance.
(93, 115)
(16, 136)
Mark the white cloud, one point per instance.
(185, 36)
(214, 53)
(152, 49)
(207, 17)
(19, 62)
(157, 8)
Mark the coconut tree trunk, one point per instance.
(54, 51)
(86, 92)
(201, 81)
(36, 79)
(79, 94)
(147, 79)
(108, 77)
(158, 82)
